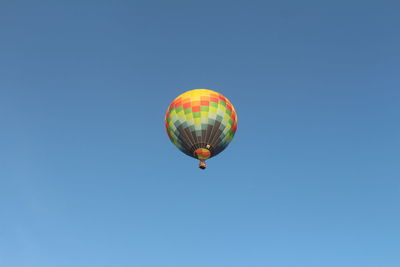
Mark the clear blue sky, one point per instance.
(88, 176)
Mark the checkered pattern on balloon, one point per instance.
(201, 123)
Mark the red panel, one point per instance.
(196, 109)
(234, 127)
(214, 99)
(187, 105)
(178, 103)
(204, 103)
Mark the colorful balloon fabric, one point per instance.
(201, 123)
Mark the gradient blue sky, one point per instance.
(88, 176)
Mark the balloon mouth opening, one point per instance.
(202, 154)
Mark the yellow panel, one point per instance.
(189, 116)
(181, 114)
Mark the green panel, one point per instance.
(178, 109)
(204, 108)
(213, 104)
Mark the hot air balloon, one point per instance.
(201, 123)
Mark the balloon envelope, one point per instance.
(201, 123)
